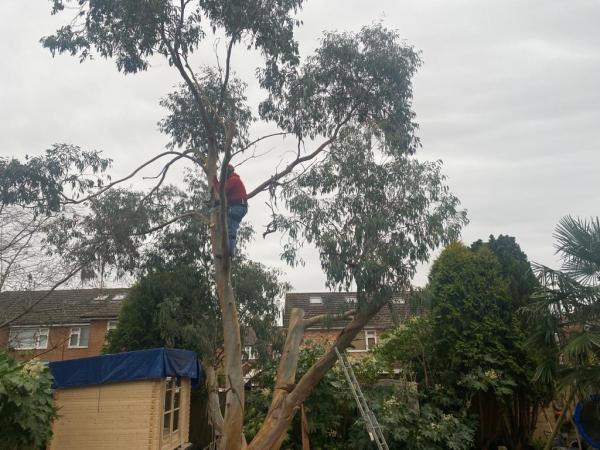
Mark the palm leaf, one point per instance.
(578, 243)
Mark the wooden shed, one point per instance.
(130, 401)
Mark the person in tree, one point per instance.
(237, 204)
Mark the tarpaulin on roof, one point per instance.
(127, 366)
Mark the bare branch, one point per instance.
(114, 183)
(45, 295)
(167, 223)
(256, 141)
(194, 88)
(265, 184)
(227, 72)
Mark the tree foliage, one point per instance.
(567, 307)
(473, 343)
(373, 219)
(26, 405)
(334, 421)
(45, 182)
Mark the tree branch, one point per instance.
(167, 223)
(227, 72)
(45, 295)
(114, 183)
(299, 160)
(321, 317)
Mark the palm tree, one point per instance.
(566, 310)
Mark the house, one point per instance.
(60, 324)
(125, 401)
(317, 303)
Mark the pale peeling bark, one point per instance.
(215, 416)
(232, 361)
(288, 397)
(233, 438)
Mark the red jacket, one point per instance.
(235, 191)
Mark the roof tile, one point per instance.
(60, 306)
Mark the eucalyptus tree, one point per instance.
(373, 216)
(355, 91)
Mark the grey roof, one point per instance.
(335, 303)
(60, 306)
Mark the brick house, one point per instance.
(64, 324)
(316, 303)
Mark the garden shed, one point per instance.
(133, 400)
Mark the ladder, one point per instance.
(373, 428)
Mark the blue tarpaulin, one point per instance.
(588, 431)
(127, 366)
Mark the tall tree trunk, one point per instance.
(232, 361)
(233, 438)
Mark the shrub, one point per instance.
(26, 407)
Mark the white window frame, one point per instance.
(370, 334)
(249, 353)
(77, 331)
(315, 300)
(172, 388)
(41, 331)
(111, 325)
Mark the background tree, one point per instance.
(568, 308)
(355, 83)
(31, 198)
(472, 345)
(530, 394)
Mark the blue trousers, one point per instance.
(235, 215)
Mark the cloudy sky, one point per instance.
(508, 98)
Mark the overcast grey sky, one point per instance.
(508, 98)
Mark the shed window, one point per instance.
(172, 406)
(315, 300)
(79, 337)
(28, 338)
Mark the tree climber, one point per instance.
(237, 204)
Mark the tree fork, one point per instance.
(285, 404)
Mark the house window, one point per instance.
(79, 337)
(315, 300)
(172, 406)
(28, 338)
(370, 339)
(249, 352)
(111, 325)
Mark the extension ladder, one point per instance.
(373, 428)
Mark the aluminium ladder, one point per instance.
(373, 428)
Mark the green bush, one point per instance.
(26, 407)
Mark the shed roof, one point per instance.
(60, 306)
(150, 364)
